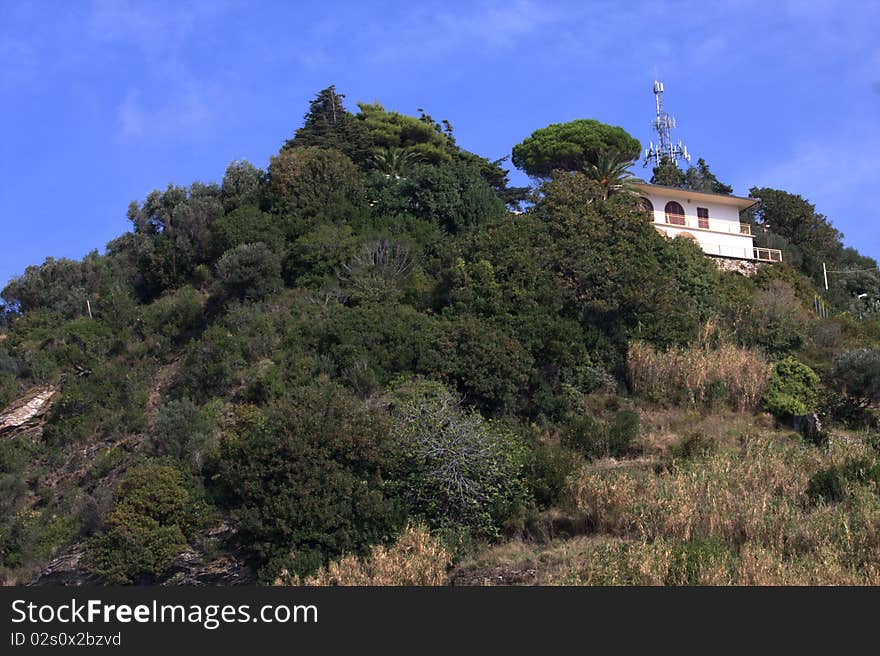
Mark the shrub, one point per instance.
(247, 225)
(305, 478)
(547, 471)
(181, 432)
(489, 368)
(174, 318)
(857, 373)
(597, 439)
(693, 444)
(831, 483)
(451, 467)
(793, 389)
(249, 271)
(415, 558)
(154, 516)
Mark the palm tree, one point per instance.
(611, 173)
(397, 162)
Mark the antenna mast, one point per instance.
(663, 124)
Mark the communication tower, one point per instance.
(663, 124)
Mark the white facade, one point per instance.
(712, 220)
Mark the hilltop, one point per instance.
(375, 361)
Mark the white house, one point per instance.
(712, 220)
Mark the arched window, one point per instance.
(674, 213)
(648, 205)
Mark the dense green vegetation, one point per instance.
(362, 337)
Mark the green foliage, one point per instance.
(572, 146)
(247, 225)
(594, 438)
(174, 318)
(450, 466)
(241, 186)
(181, 432)
(668, 174)
(452, 194)
(154, 516)
(832, 484)
(210, 365)
(547, 472)
(700, 178)
(306, 183)
(389, 130)
(172, 235)
(328, 124)
(306, 479)
(794, 218)
(489, 368)
(857, 373)
(249, 271)
(793, 389)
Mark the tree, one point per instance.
(307, 476)
(572, 146)
(329, 125)
(700, 178)
(312, 183)
(612, 174)
(250, 271)
(668, 174)
(396, 162)
(795, 218)
(241, 185)
(451, 467)
(857, 373)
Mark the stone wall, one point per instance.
(738, 265)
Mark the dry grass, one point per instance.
(699, 376)
(416, 558)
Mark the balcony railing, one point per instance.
(768, 254)
(713, 225)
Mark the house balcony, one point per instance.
(745, 253)
(712, 225)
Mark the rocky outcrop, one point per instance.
(737, 265)
(211, 560)
(28, 412)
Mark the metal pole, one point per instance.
(825, 275)
(89, 307)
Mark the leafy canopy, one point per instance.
(573, 146)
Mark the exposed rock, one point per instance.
(66, 570)
(27, 412)
(211, 560)
(738, 265)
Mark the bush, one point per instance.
(154, 516)
(793, 389)
(174, 318)
(857, 373)
(246, 225)
(450, 466)
(597, 439)
(249, 271)
(693, 444)
(305, 478)
(547, 472)
(490, 369)
(832, 483)
(181, 432)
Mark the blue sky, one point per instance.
(101, 102)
